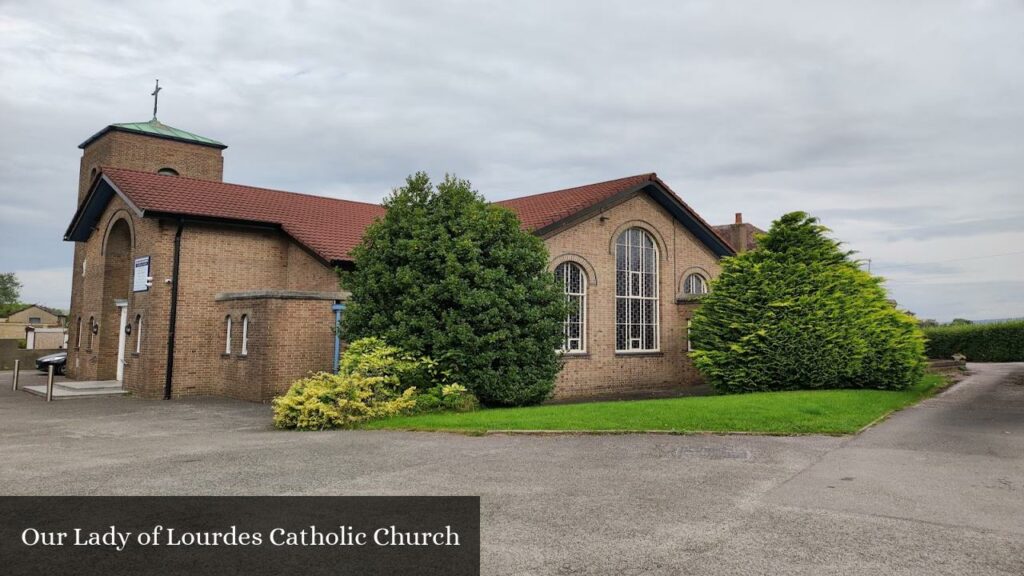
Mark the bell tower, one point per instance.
(150, 147)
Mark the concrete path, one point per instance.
(957, 459)
(71, 389)
(935, 490)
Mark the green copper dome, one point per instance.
(157, 129)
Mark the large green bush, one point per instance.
(798, 313)
(997, 342)
(446, 275)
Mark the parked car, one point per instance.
(58, 361)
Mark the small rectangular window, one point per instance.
(138, 333)
(245, 334)
(227, 342)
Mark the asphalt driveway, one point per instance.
(937, 489)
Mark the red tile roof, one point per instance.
(329, 227)
(540, 210)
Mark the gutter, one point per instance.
(174, 309)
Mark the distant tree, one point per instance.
(798, 312)
(10, 288)
(960, 322)
(10, 292)
(444, 274)
(927, 323)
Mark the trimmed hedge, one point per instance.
(798, 313)
(998, 342)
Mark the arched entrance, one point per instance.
(117, 278)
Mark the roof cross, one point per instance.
(156, 96)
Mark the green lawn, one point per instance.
(806, 412)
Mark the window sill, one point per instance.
(575, 355)
(690, 298)
(135, 354)
(627, 353)
(225, 355)
(242, 356)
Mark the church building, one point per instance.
(186, 285)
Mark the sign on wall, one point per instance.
(140, 282)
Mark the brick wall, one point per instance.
(217, 260)
(214, 260)
(288, 337)
(601, 371)
(148, 154)
(91, 295)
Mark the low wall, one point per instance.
(9, 352)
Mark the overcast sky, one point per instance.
(899, 124)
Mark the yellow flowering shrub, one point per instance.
(324, 400)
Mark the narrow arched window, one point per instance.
(695, 284)
(227, 332)
(636, 292)
(138, 333)
(92, 330)
(245, 334)
(78, 334)
(574, 285)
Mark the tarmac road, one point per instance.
(936, 489)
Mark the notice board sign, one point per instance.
(140, 281)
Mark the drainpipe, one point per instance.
(338, 307)
(174, 310)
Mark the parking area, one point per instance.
(936, 489)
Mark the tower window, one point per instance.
(167, 171)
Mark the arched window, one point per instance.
(245, 334)
(695, 284)
(636, 292)
(167, 171)
(138, 333)
(78, 334)
(574, 284)
(227, 331)
(92, 330)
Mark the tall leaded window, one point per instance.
(574, 285)
(636, 292)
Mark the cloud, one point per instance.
(46, 286)
(900, 124)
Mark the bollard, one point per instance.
(49, 383)
(14, 382)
